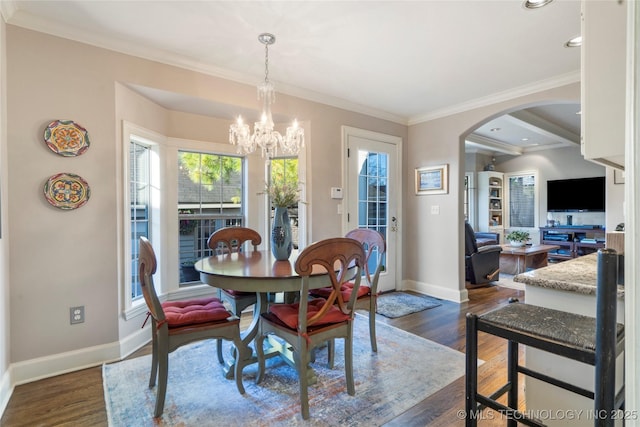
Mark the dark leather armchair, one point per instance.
(482, 264)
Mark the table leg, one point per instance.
(275, 347)
(248, 335)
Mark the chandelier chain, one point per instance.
(264, 136)
(266, 63)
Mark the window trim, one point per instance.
(133, 308)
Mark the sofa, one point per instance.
(485, 238)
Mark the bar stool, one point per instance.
(595, 341)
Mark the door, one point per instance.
(373, 194)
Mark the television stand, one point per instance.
(573, 240)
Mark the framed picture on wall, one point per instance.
(432, 180)
(618, 176)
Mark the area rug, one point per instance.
(398, 304)
(405, 370)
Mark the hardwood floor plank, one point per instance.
(77, 399)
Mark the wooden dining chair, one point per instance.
(176, 323)
(375, 248)
(309, 323)
(225, 241)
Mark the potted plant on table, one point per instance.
(517, 238)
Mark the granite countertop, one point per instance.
(575, 275)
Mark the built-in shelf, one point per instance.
(491, 202)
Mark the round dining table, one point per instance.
(259, 272)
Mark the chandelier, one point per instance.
(264, 136)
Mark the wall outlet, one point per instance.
(76, 314)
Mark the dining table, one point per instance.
(260, 272)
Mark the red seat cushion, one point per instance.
(192, 312)
(288, 313)
(345, 290)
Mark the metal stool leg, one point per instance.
(605, 366)
(471, 377)
(512, 374)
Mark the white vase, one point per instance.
(516, 244)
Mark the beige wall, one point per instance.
(66, 258)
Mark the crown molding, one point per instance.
(528, 89)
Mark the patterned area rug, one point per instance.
(398, 304)
(388, 383)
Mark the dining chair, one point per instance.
(309, 323)
(176, 323)
(225, 241)
(375, 248)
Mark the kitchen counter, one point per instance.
(576, 275)
(567, 286)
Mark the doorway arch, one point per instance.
(569, 135)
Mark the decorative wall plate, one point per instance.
(67, 191)
(66, 138)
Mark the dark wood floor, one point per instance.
(76, 399)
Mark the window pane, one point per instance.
(139, 197)
(522, 201)
(209, 198)
(284, 170)
(372, 191)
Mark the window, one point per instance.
(139, 201)
(373, 202)
(285, 170)
(210, 197)
(522, 200)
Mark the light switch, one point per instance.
(435, 210)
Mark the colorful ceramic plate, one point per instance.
(66, 138)
(67, 191)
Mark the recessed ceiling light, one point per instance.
(534, 4)
(494, 129)
(574, 42)
(524, 139)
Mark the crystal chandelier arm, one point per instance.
(264, 136)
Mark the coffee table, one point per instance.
(516, 260)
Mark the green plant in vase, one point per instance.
(518, 237)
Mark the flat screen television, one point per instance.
(576, 195)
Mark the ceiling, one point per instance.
(404, 61)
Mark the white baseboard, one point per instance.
(44, 367)
(62, 363)
(6, 390)
(134, 341)
(460, 295)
